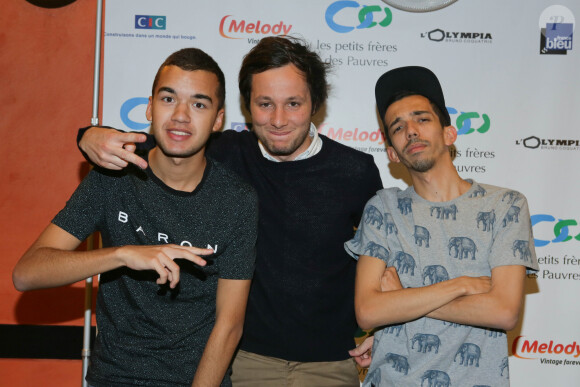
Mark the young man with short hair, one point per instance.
(454, 251)
(168, 313)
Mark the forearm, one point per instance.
(398, 306)
(45, 267)
(478, 310)
(499, 308)
(217, 354)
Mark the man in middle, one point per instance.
(300, 318)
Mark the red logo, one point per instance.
(540, 348)
(238, 29)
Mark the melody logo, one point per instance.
(238, 29)
(536, 347)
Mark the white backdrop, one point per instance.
(512, 99)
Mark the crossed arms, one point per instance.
(479, 301)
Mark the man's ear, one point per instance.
(148, 113)
(450, 135)
(219, 120)
(392, 155)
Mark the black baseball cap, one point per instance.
(414, 79)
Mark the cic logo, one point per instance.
(144, 22)
(365, 16)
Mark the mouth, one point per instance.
(415, 147)
(279, 133)
(178, 134)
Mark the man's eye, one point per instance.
(167, 99)
(294, 104)
(199, 105)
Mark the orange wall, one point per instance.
(46, 72)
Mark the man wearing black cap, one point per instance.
(455, 254)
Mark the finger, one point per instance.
(115, 161)
(128, 137)
(111, 166)
(120, 157)
(193, 258)
(173, 269)
(130, 147)
(160, 269)
(132, 158)
(198, 250)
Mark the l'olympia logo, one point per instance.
(146, 22)
(233, 28)
(439, 35)
(534, 142)
(556, 30)
(341, 15)
(524, 348)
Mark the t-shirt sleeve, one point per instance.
(82, 213)
(237, 261)
(370, 237)
(513, 239)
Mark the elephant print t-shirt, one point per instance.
(429, 242)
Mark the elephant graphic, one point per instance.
(512, 215)
(462, 246)
(400, 363)
(421, 235)
(436, 378)
(394, 328)
(513, 196)
(478, 191)
(437, 211)
(390, 224)
(524, 249)
(450, 210)
(435, 273)
(403, 262)
(505, 366)
(404, 205)
(375, 250)
(374, 378)
(445, 212)
(487, 219)
(492, 332)
(372, 215)
(426, 342)
(469, 353)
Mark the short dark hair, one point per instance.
(278, 51)
(443, 119)
(192, 59)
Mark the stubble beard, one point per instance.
(283, 150)
(421, 165)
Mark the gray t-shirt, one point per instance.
(150, 334)
(429, 242)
